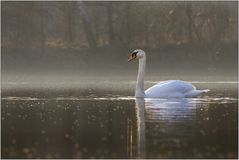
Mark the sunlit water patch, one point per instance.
(115, 97)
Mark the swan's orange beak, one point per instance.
(130, 58)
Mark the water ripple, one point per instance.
(200, 100)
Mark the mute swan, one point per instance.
(165, 89)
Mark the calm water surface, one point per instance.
(106, 121)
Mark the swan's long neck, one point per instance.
(139, 91)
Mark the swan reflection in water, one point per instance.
(170, 122)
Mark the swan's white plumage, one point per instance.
(172, 89)
(165, 89)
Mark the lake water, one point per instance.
(103, 120)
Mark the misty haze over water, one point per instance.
(88, 38)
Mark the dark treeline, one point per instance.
(179, 32)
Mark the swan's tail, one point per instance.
(204, 91)
(195, 93)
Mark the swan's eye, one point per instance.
(134, 54)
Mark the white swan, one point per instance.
(165, 89)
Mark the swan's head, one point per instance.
(136, 54)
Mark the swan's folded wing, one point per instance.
(168, 88)
(176, 85)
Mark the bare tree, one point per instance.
(70, 15)
(87, 26)
(110, 23)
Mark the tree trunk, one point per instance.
(42, 34)
(110, 24)
(191, 25)
(128, 36)
(69, 8)
(87, 26)
(190, 22)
